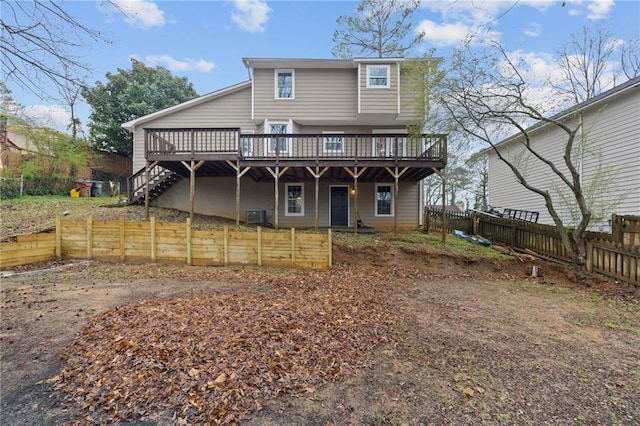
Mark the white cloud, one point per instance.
(533, 29)
(599, 9)
(53, 116)
(141, 13)
(251, 15)
(595, 9)
(537, 67)
(172, 64)
(456, 33)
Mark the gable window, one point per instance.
(295, 199)
(284, 84)
(378, 76)
(332, 142)
(384, 199)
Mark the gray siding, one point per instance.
(379, 100)
(216, 196)
(610, 165)
(320, 94)
(232, 110)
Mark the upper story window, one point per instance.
(378, 76)
(284, 84)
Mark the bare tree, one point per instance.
(489, 98)
(594, 60)
(630, 58)
(38, 41)
(379, 29)
(478, 166)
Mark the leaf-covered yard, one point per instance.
(401, 331)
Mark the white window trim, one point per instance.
(375, 200)
(286, 201)
(388, 141)
(275, 84)
(252, 146)
(267, 140)
(324, 143)
(388, 68)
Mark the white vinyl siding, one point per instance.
(613, 134)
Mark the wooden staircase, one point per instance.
(160, 179)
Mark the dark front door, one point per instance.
(339, 206)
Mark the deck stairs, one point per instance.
(160, 179)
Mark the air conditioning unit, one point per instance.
(256, 217)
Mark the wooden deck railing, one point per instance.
(205, 141)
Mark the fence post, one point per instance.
(152, 230)
(259, 245)
(330, 243)
(188, 230)
(58, 237)
(589, 257)
(122, 247)
(90, 237)
(293, 246)
(226, 245)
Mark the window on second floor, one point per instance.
(378, 76)
(284, 84)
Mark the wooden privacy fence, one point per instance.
(168, 243)
(616, 255)
(614, 260)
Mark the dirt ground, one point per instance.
(478, 342)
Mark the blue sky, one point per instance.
(206, 40)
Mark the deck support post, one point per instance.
(276, 176)
(317, 175)
(147, 176)
(147, 191)
(239, 174)
(396, 191)
(355, 174)
(192, 167)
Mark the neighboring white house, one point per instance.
(607, 157)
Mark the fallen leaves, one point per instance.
(214, 358)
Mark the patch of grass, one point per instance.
(620, 327)
(414, 241)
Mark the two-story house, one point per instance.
(302, 143)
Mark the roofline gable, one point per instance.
(611, 93)
(130, 125)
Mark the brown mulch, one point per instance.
(214, 358)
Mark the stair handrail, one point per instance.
(136, 181)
